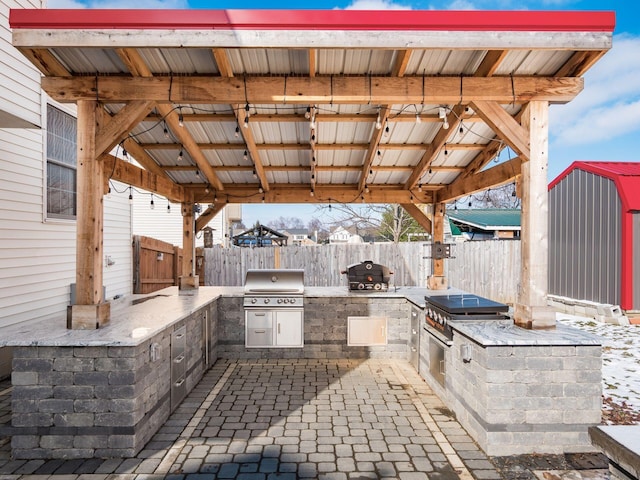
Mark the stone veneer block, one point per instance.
(97, 401)
(522, 391)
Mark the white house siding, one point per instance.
(20, 85)
(117, 244)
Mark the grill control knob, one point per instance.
(361, 286)
(280, 300)
(267, 300)
(254, 300)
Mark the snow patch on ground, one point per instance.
(620, 358)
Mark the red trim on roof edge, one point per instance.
(627, 183)
(427, 20)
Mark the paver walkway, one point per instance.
(290, 419)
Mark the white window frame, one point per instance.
(70, 110)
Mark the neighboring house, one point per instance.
(37, 198)
(165, 224)
(486, 224)
(342, 235)
(594, 233)
(298, 236)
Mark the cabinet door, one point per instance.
(366, 331)
(289, 328)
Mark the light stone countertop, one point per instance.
(134, 319)
(504, 333)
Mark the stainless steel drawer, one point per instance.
(259, 337)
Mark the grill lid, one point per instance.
(274, 282)
(466, 304)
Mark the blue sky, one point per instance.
(602, 123)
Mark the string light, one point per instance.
(180, 118)
(245, 156)
(418, 119)
(262, 198)
(165, 130)
(366, 188)
(378, 121)
(237, 134)
(197, 173)
(206, 189)
(152, 205)
(255, 174)
(307, 114)
(130, 196)
(312, 193)
(247, 113)
(260, 190)
(386, 128)
(180, 155)
(446, 152)
(419, 187)
(124, 152)
(168, 207)
(312, 122)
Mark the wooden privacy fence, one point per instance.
(155, 264)
(487, 268)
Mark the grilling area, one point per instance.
(278, 110)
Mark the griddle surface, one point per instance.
(466, 304)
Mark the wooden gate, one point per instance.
(156, 264)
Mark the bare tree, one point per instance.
(284, 223)
(499, 197)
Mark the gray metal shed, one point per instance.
(594, 233)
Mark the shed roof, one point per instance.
(625, 175)
(334, 110)
(488, 219)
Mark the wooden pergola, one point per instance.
(233, 106)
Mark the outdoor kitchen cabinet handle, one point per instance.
(260, 331)
(442, 367)
(278, 328)
(259, 314)
(179, 335)
(178, 359)
(179, 382)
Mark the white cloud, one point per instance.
(609, 106)
(376, 5)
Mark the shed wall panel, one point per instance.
(585, 238)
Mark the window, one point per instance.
(61, 164)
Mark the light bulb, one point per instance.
(166, 132)
(311, 193)
(445, 124)
(245, 156)
(168, 208)
(180, 119)
(378, 121)
(419, 187)
(152, 205)
(180, 155)
(130, 196)
(237, 134)
(418, 119)
(307, 114)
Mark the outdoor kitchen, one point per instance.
(513, 389)
(221, 107)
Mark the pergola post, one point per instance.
(531, 309)
(91, 310)
(438, 281)
(188, 280)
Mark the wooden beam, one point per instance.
(206, 216)
(319, 168)
(187, 268)
(119, 125)
(418, 215)
(531, 310)
(303, 90)
(438, 281)
(318, 147)
(490, 63)
(300, 193)
(143, 158)
(294, 117)
(454, 118)
(89, 222)
(579, 63)
(507, 128)
(242, 117)
(46, 62)
(313, 55)
(129, 174)
(141, 71)
(499, 175)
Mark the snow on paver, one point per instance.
(620, 358)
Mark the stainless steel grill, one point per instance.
(274, 288)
